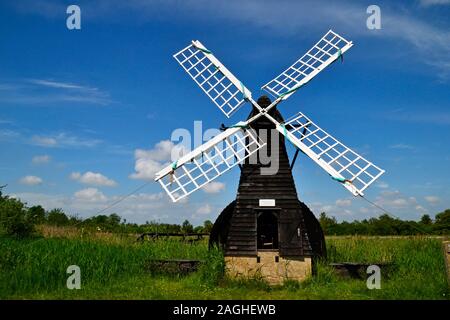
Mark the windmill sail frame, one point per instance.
(327, 50)
(219, 84)
(228, 93)
(209, 161)
(339, 161)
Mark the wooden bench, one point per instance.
(185, 236)
(173, 266)
(355, 269)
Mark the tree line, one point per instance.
(387, 225)
(17, 219)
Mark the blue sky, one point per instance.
(86, 115)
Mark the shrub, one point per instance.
(14, 218)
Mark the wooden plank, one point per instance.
(446, 247)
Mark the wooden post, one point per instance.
(446, 244)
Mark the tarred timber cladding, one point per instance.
(239, 225)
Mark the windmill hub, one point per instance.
(266, 230)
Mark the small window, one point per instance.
(258, 259)
(277, 259)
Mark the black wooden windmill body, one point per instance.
(266, 215)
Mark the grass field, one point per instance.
(117, 268)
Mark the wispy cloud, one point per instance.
(428, 3)
(45, 92)
(413, 116)
(42, 159)
(135, 208)
(6, 121)
(55, 84)
(6, 134)
(63, 140)
(402, 146)
(422, 40)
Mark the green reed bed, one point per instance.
(36, 269)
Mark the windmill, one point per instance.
(266, 228)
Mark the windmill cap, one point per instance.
(264, 101)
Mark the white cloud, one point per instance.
(214, 187)
(149, 162)
(41, 159)
(63, 140)
(89, 195)
(31, 180)
(204, 209)
(93, 178)
(396, 202)
(433, 200)
(341, 208)
(382, 185)
(48, 202)
(343, 202)
(394, 199)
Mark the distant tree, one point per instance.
(75, 220)
(187, 227)
(384, 225)
(426, 220)
(113, 222)
(328, 224)
(207, 226)
(114, 219)
(1, 191)
(198, 229)
(57, 217)
(37, 214)
(104, 223)
(442, 222)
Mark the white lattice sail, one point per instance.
(209, 161)
(329, 48)
(221, 86)
(343, 164)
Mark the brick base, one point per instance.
(287, 268)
